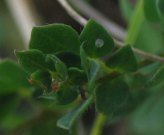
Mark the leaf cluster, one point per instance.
(71, 68)
(64, 70)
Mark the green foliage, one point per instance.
(93, 74)
(77, 76)
(32, 60)
(60, 67)
(41, 78)
(73, 60)
(55, 38)
(148, 37)
(66, 93)
(69, 82)
(84, 60)
(70, 118)
(12, 78)
(95, 40)
(160, 9)
(149, 119)
(147, 33)
(157, 78)
(126, 9)
(111, 95)
(121, 59)
(68, 74)
(150, 10)
(47, 125)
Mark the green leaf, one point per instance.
(55, 38)
(32, 60)
(70, 118)
(96, 40)
(66, 93)
(70, 59)
(42, 79)
(123, 60)
(136, 21)
(160, 9)
(77, 76)
(84, 60)
(126, 9)
(94, 73)
(150, 10)
(12, 77)
(158, 78)
(148, 37)
(59, 66)
(98, 71)
(111, 95)
(148, 119)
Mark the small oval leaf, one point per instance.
(55, 38)
(96, 40)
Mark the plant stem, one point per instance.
(135, 24)
(147, 56)
(98, 124)
(75, 15)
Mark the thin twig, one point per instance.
(72, 12)
(108, 24)
(148, 56)
(118, 43)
